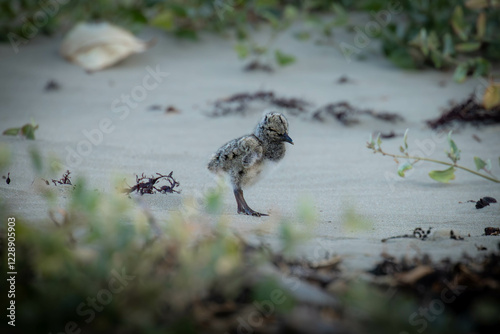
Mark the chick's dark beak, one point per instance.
(287, 138)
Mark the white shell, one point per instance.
(95, 46)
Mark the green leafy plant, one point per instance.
(27, 131)
(443, 34)
(443, 176)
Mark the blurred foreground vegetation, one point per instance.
(103, 264)
(464, 35)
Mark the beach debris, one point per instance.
(476, 138)
(172, 110)
(491, 231)
(52, 85)
(7, 179)
(168, 110)
(147, 185)
(467, 111)
(348, 115)
(245, 103)
(455, 236)
(480, 247)
(65, 179)
(344, 79)
(96, 46)
(27, 130)
(241, 103)
(418, 233)
(485, 201)
(258, 66)
(387, 135)
(155, 107)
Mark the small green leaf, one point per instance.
(422, 38)
(11, 132)
(468, 47)
(405, 139)
(401, 149)
(379, 140)
(480, 164)
(436, 59)
(28, 131)
(449, 47)
(302, 36)
(481, 25)
(488, 166)
(491, 97)
(443, 176)
(273, 20)
(461, 73)
(341, 16)
(283, 59)
(458, 23)
(404, 167)
(482, 67)
(241, 50)
(164, 20)
(290, 13)
(454, 153)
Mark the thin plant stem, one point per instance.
(439, 162)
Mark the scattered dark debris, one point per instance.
(51, 86)
(347, 114)
(257, 66)
(480, 247)
(455, 236)
(468, 111)
(460, 286)
(319, 273)
(485, 201)
(469, 201)
(147, 185)
(155, 107)
(240, 103)
(388, 135)
(492, 231)
(172, 110)
(476, 138)
(243, 103)
(418, 233)
(65, 179)
(344, 79)
(7, 179)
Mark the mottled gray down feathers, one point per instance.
(243, 159)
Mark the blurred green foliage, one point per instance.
(443, 33)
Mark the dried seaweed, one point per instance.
(485, 201)
(468, 111)
(346, 114)
(148, 185)
(240, 103)
(418, 233)
(343, 112)
(257, 66)
(65, 179)
(492, 231)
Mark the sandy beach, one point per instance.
(102, 127)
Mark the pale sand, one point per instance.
(328, 163)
